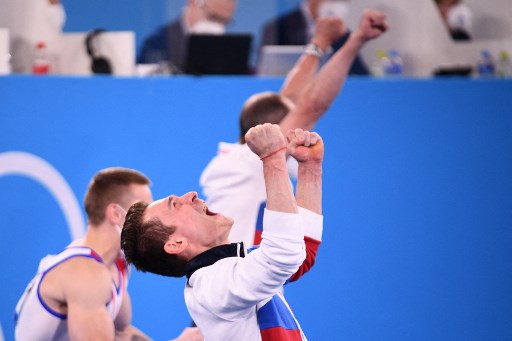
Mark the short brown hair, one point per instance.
(110, 185)
(266, 107)
(143, 244)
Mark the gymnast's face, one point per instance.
(196, 227)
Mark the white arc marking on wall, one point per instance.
(31, 166)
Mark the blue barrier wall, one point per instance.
(417, 199)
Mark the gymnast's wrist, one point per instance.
(314, 49)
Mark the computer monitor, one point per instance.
(226, 54)
(276, 60)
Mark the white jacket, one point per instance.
(222, 298)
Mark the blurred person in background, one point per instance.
(297, 27)
(32, 23)
(167, 43)
(307, 93)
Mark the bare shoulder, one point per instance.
(76, 277)
(85, 274)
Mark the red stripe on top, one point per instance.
(311, 250)
(312, 246)
(96, 255)
(257, 237)
(123, 269)
(280, 334)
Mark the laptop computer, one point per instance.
(226, 54)
(278, 59)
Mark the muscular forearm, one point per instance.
(309, 187)
(319, 94)
(331, 78)
(277, 182)
(301, 74)
(268, 142)
(327, 31)
(336, 70)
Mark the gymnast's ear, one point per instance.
(175, 245)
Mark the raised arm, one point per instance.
(269, 144)
(327, 31)
(262, 273)
(317, 96)
(308, 149)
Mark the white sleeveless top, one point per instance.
(35, 320)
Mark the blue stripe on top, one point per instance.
(259, 220)
(276, 314)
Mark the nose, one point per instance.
(188, 198)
